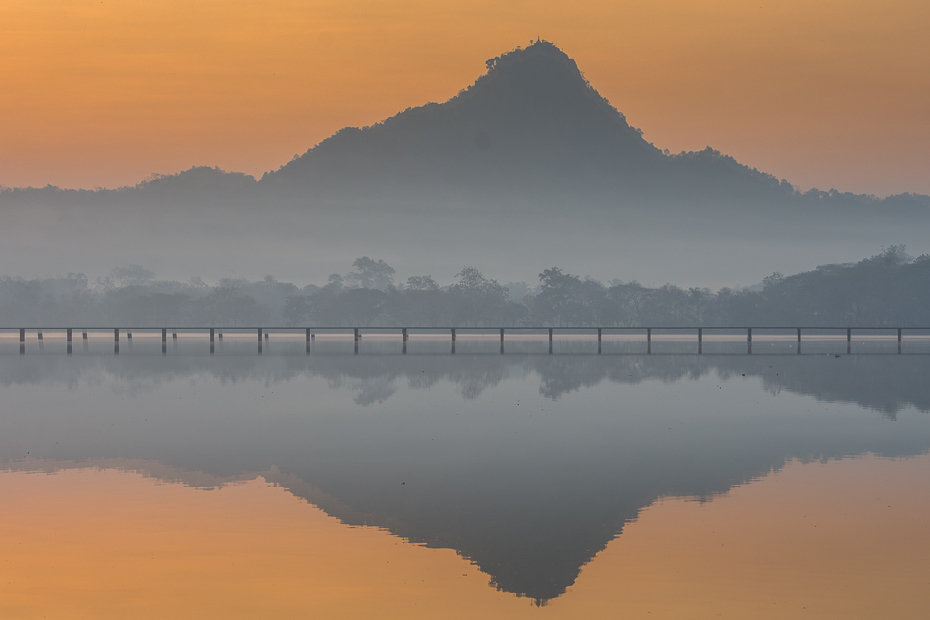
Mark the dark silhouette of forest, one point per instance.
(889, 289)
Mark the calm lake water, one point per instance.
(316, 482)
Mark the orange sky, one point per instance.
(845, 539)
(102, 93)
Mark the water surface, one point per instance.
(320, 481)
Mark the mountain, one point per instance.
(532, 124)
(529, 166)
(532, 118)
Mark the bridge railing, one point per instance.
(262, 334)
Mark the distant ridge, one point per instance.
(531, 125)
(528, 166)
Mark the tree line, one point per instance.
(889, 289)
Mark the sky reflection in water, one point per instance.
(674, 484)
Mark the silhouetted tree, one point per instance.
(371, 274)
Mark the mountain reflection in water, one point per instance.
(527, 465)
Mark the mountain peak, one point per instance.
(534, 76)
(531, 116)
(542, 59)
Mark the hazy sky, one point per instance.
(833, 93)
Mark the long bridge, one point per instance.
(263, 333)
